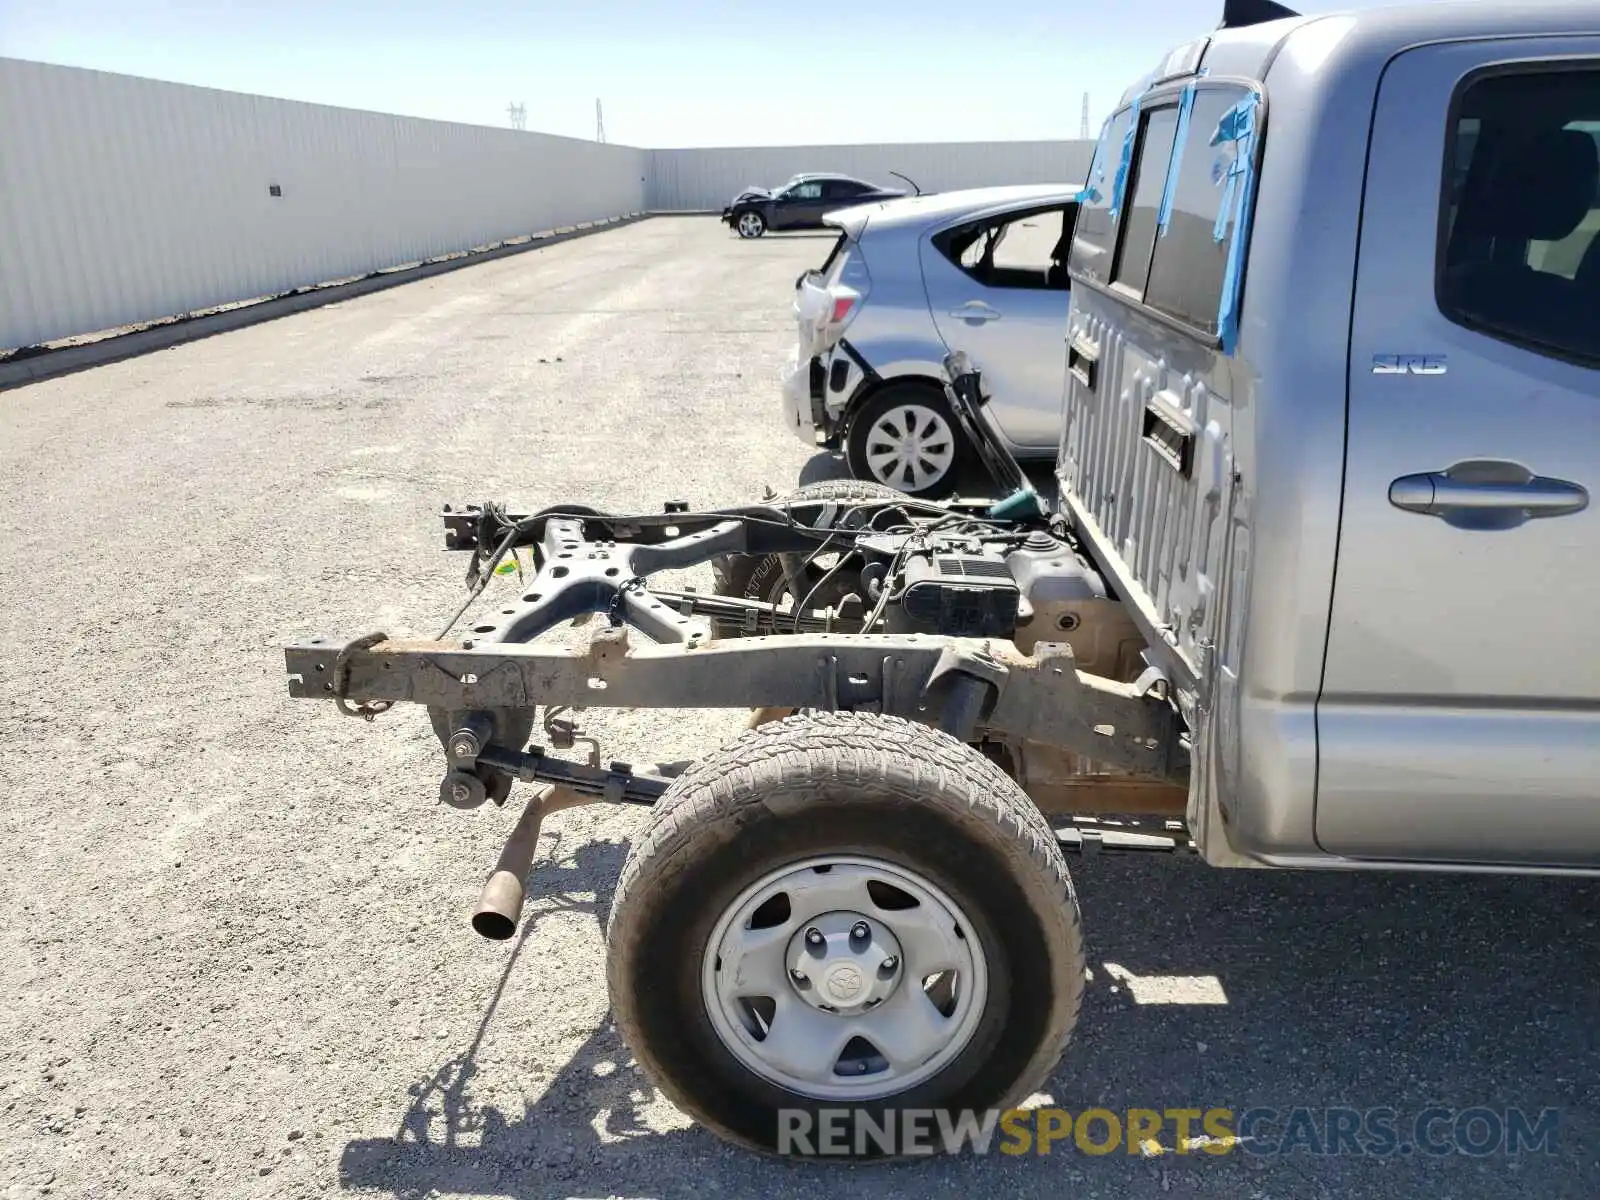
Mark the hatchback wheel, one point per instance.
(906, 438)
(750, 224)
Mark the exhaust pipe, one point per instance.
(760, 716)
(500, 904)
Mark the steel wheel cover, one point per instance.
(844, 978)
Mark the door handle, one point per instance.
(1486, 495)
(975, 310)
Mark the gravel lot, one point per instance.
(237, 961)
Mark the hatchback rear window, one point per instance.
(841, 262)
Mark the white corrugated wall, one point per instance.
(690, 180)
(125, 199)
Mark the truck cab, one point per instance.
(1332, 422)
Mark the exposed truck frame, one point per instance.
(976, 689)
(1018, 725)
(963, 686)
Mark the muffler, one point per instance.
(500, 904)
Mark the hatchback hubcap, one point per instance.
(910, 447)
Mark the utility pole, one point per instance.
(599, 123)
(1083, 125)
(518, 114)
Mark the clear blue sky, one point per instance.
(670, 72)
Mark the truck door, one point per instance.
(1459, 718)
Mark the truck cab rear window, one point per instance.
(1149, 178)
(1094, 234)
(1520, 217)
(1191, 253)
(1176, 265)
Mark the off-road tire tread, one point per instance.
(818, 753)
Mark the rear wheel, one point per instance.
(843, 912)
(750, 224)
(905, 437)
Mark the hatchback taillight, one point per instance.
(840, 309)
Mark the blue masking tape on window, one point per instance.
(1238, 125)
(1097, 167)
(1170, 188)
(1121, 182)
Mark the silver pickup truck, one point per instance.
(1332, 416)
(1315, 592)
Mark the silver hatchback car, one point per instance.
(909, 281)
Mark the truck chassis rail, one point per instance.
(965, 687)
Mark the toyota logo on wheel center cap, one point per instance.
(844, 982)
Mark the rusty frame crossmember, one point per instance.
(969, 688)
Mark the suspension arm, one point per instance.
(617, 784)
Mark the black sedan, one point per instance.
(800, 203)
